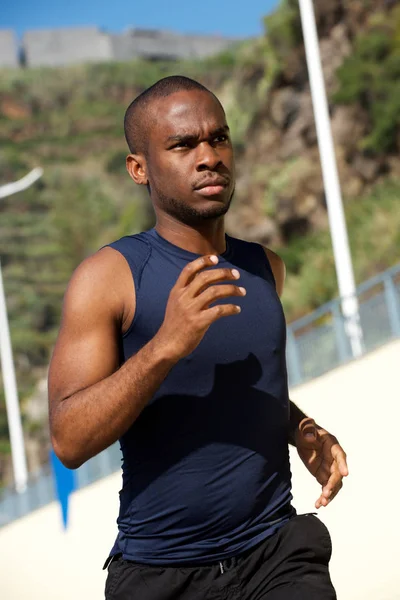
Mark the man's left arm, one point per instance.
(318, 449)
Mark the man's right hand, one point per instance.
(188, 314)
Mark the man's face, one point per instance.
(190, 164)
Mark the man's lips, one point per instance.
(212, 187)
(211, 190)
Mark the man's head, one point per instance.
(180, 147)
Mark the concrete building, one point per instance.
(77, 45)
(162, 45)
(64, 46)
(8, 49)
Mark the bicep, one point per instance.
(87, 348)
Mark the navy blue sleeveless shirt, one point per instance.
(206, 472)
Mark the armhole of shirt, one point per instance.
(136, 262)
(261, 250)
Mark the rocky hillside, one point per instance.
(69, 121)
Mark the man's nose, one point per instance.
(208, 157)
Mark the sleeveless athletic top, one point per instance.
(206, 471)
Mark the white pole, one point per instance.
(337, 223)
(6, 359)
(11, 395)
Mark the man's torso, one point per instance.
(206, 471)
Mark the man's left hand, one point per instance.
(324, 458)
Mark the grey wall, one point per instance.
(77, 45)
(67, 46)
(8, 49)
(165, 44)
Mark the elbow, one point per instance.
(67, 456)
(67, 448)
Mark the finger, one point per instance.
(335, 491)
(325, 498)
(333, 486)
(190, 271)
(217, 292)
(210, 315)
(323, 474)
(340, 457)
(322, 501)
(206, 278)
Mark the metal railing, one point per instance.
(316, 344)
(41, 490)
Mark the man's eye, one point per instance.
(182, 145)
(221, 138)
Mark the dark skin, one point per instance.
(93, 400)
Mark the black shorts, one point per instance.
(290, 565)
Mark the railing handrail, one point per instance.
(329, 306)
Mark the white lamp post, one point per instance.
(7, 363)
(337, 223)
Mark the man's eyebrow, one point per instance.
(224, 129)
(189, 137)
(183, 137)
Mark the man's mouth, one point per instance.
(212, 186)
(211, 190)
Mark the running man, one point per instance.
(173, 342)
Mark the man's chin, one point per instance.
(195, 213)
(212, 207)
(212, 210)
(214, 213)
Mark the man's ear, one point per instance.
(137, 168)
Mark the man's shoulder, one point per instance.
(98, 272)
(133, 239)
(102, 286)
(112, 267)
(135, 250)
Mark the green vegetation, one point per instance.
(371, 78)
(374, 232)
(283, 29)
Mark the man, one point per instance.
(173, 341)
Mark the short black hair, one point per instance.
(137, 121)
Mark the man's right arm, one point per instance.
(92, 400)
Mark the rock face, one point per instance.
(288, 197)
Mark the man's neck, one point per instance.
(205, 239)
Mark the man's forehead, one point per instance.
(188, 111)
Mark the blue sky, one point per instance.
(227, 17)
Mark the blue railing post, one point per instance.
(392, 305)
